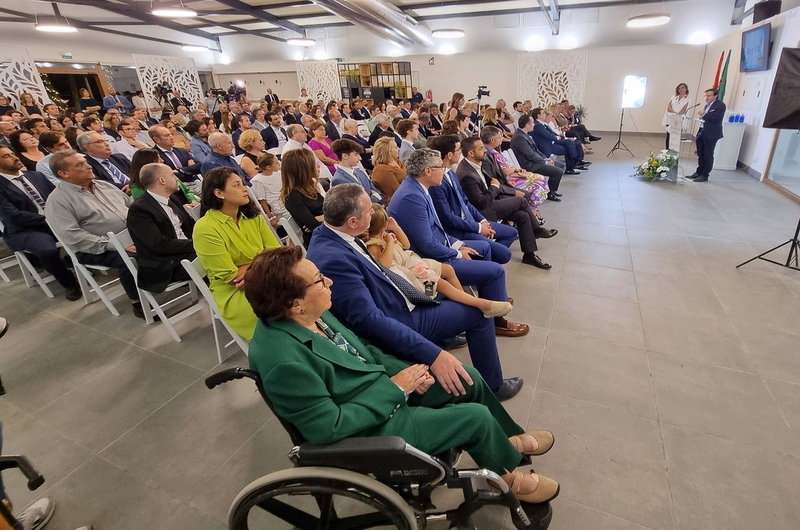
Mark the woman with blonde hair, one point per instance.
(28, 106)
(253, 145)
(111, 123)
(389, 170)
(301, 192)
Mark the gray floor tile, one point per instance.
(101, 494)
(571, 515)
(613, 256)
(626, 476)
(184, 441)
(599, 281)
(599, 318)
(667, 263)
(137, 386)
(610, 235)
(706, 339)
(773, 351)
(665, 223)
(186, 518)
(719, 401)
(787, 395)
(718, 483)
(691, 292)
(603, 373)
(655, 240)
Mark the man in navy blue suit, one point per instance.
(23, 195)
(708, 136)
(181, 161)
(413, 209)
(460, 218)
(113, 168)
(379, 306)
(550, 143)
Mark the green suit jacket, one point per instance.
(327, 393)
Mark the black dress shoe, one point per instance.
(556, 193)
(584, 163)
(509, 388)
(536, 261)
(553, 197)
(594, 138)
(459, 341)
(701, 179)
(582, 167)
(571, 172)
(74, 293)
(694, 176)
(544, 233)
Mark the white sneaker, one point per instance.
(3, 326)
(37, 515)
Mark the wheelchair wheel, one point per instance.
(319, 498)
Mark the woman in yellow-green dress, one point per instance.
(227, 238)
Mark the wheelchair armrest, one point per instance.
(231, 374)
(389, 459)
(35, 479)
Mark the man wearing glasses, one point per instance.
(105, 165)
(129, 143)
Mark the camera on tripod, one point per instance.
(219, 92)
(483, 92)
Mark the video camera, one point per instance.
(483, 92)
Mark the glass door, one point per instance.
(785, 167)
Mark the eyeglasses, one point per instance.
(99, 142)
(321, 282)
(438, 167)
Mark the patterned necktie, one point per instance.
(403, 285)
(172, 156)
(37, 198)
(118, 175)
(338, 340)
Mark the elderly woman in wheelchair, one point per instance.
(323, 380)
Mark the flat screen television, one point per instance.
(755, 49)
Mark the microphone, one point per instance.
(693, 106)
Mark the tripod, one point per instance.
(793, 257)
(619, 145)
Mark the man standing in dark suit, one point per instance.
(529, 156)
(380, 306)
(105, 166)
(23, 196)
(270, 97)
(708, 136)
(488, 200)
(179, 160)
(161, 230)
(460, 218)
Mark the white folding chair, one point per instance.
(89, 286)
(238, 158)
(194, 211)
(511, 158)
(150, 306)
(29, 272)
(263, 213)
(7, 263)
(275, 151)
(294, 232)
(197, 273)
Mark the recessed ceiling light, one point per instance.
(448, 33)
(56, 28)
(648, 21)
(45, 65)
(701, 37)
(174, 12)
(194, 48)
(300, 41)
(535, 44)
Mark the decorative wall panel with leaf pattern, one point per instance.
(547, 78)
(18, 73)
(178, 72)
(321, 78)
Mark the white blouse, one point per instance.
(678, 105)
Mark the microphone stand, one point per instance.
(619, 146)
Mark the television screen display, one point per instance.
(755, 49)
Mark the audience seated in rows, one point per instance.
(52, 141)
(252, 145)
(389, 170)
(226, 239)
(550, 143)
(198, 131)
(409, 132)
(529, 156)
(301, 192)
(274, 135)
(221, 156)
(106, 166)
(141, 158)
(25, 144)
(350, 128)
(349, 170)
(266, 186)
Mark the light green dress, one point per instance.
(223, 247)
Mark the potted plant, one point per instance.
(582, 112)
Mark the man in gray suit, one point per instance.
(529, 156)
(408, 131)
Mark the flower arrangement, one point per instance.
(659, 166)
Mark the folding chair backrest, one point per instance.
(194, 211)
(260, 209)
(275, 151)
(121, 241)
(294, 231)
(238, 158)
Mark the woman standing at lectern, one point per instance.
(678, 104)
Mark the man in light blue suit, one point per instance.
(348, 170)
(458, 216)
(413, 209)
(379, 306)
(116, 101)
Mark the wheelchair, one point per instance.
(35, 480)
(369, 482)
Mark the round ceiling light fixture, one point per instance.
(448, 33)
(194, 48)
(648, 21)
(56, 28)
(174, 12)
(300, 41)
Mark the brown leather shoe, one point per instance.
(544, 489)
(510, 300)
(537, 442)
(512, 329)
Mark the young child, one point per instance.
(427, 275)
(267, 187)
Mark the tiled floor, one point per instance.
(670, 379)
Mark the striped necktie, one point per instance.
(118, 175)
(37, 198)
